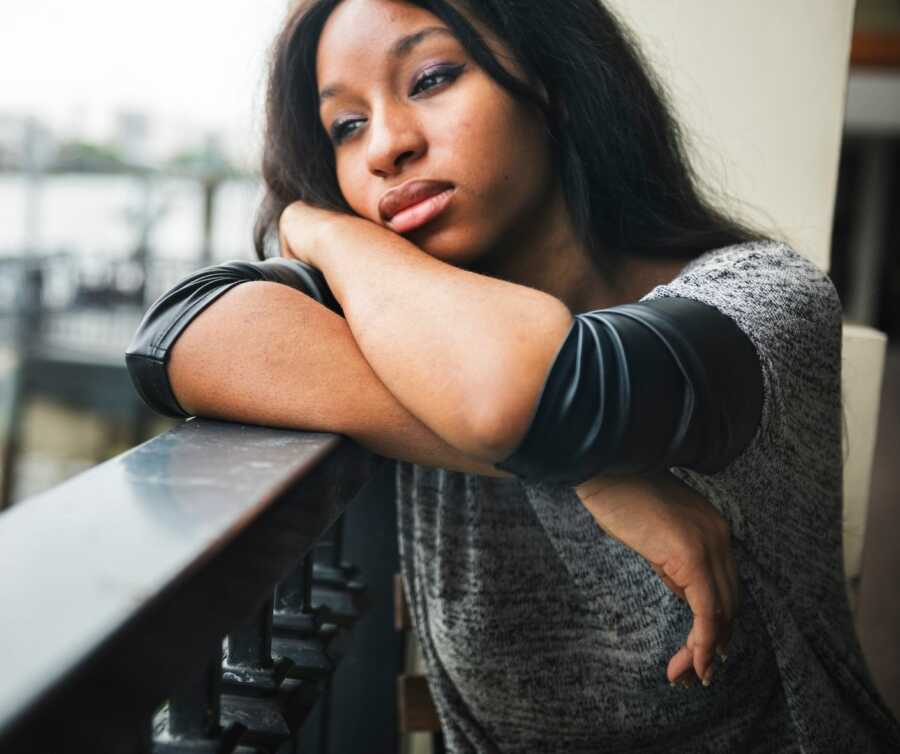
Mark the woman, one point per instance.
(615, 412)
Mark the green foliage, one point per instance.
(88, 157)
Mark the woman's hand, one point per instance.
(687, 542)
(301, 227)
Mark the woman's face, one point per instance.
(402, 108)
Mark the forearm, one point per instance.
(266, 354)
(447, 342)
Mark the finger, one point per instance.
(702, 641)
(702, 659)
(737, 591)
(725, 590)
(679, 592)
(734, 597)
(701, 595)
(680, 664)
(723, 641)
(686, 679)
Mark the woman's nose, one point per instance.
(395, 137)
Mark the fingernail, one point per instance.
(707, 678)
(685, 683)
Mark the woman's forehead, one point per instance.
(366, 30)
(364, 33)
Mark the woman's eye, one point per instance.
(344, 129)
(438, 76)
(341, 130)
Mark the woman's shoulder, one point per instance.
(789, 310)
(753, 262)
(765, 286)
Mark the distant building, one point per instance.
(12, 149)
(131, 140)
(25, 143)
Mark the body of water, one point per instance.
(96, 219)
(100, 216)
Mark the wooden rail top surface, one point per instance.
(122, 550)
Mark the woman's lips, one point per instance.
(421, 213)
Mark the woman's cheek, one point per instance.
(478, 141)
(350, 185)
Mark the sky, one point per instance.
(193, 65)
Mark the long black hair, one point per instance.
(628, 184)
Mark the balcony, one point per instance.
(192, 594)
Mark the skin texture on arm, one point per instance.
(465, 353)
(267, 354)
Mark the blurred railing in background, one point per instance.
(63, 333)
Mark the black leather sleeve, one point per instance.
(149, 350)
(643, 387)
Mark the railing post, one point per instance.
(251, 643)
(192, 718)
(195, 706)
(338, 543)
(299, 632)
(273, 693)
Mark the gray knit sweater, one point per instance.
(542, 634)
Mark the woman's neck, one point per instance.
(546, 255)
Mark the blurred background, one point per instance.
(129, 144)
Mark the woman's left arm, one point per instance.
(687, 542)
(445, 341)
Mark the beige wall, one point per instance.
(761, 86)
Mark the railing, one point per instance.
(171, 599)
(64, 328)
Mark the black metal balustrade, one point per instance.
(173, 599)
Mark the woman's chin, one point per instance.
(448, 244)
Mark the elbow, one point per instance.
(498, 429)
(501, 421)
(151, 382)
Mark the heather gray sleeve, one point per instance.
(150, 348)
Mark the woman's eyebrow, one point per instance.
(400, 49)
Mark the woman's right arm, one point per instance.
(265, 353)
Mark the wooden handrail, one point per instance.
(118, 582)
